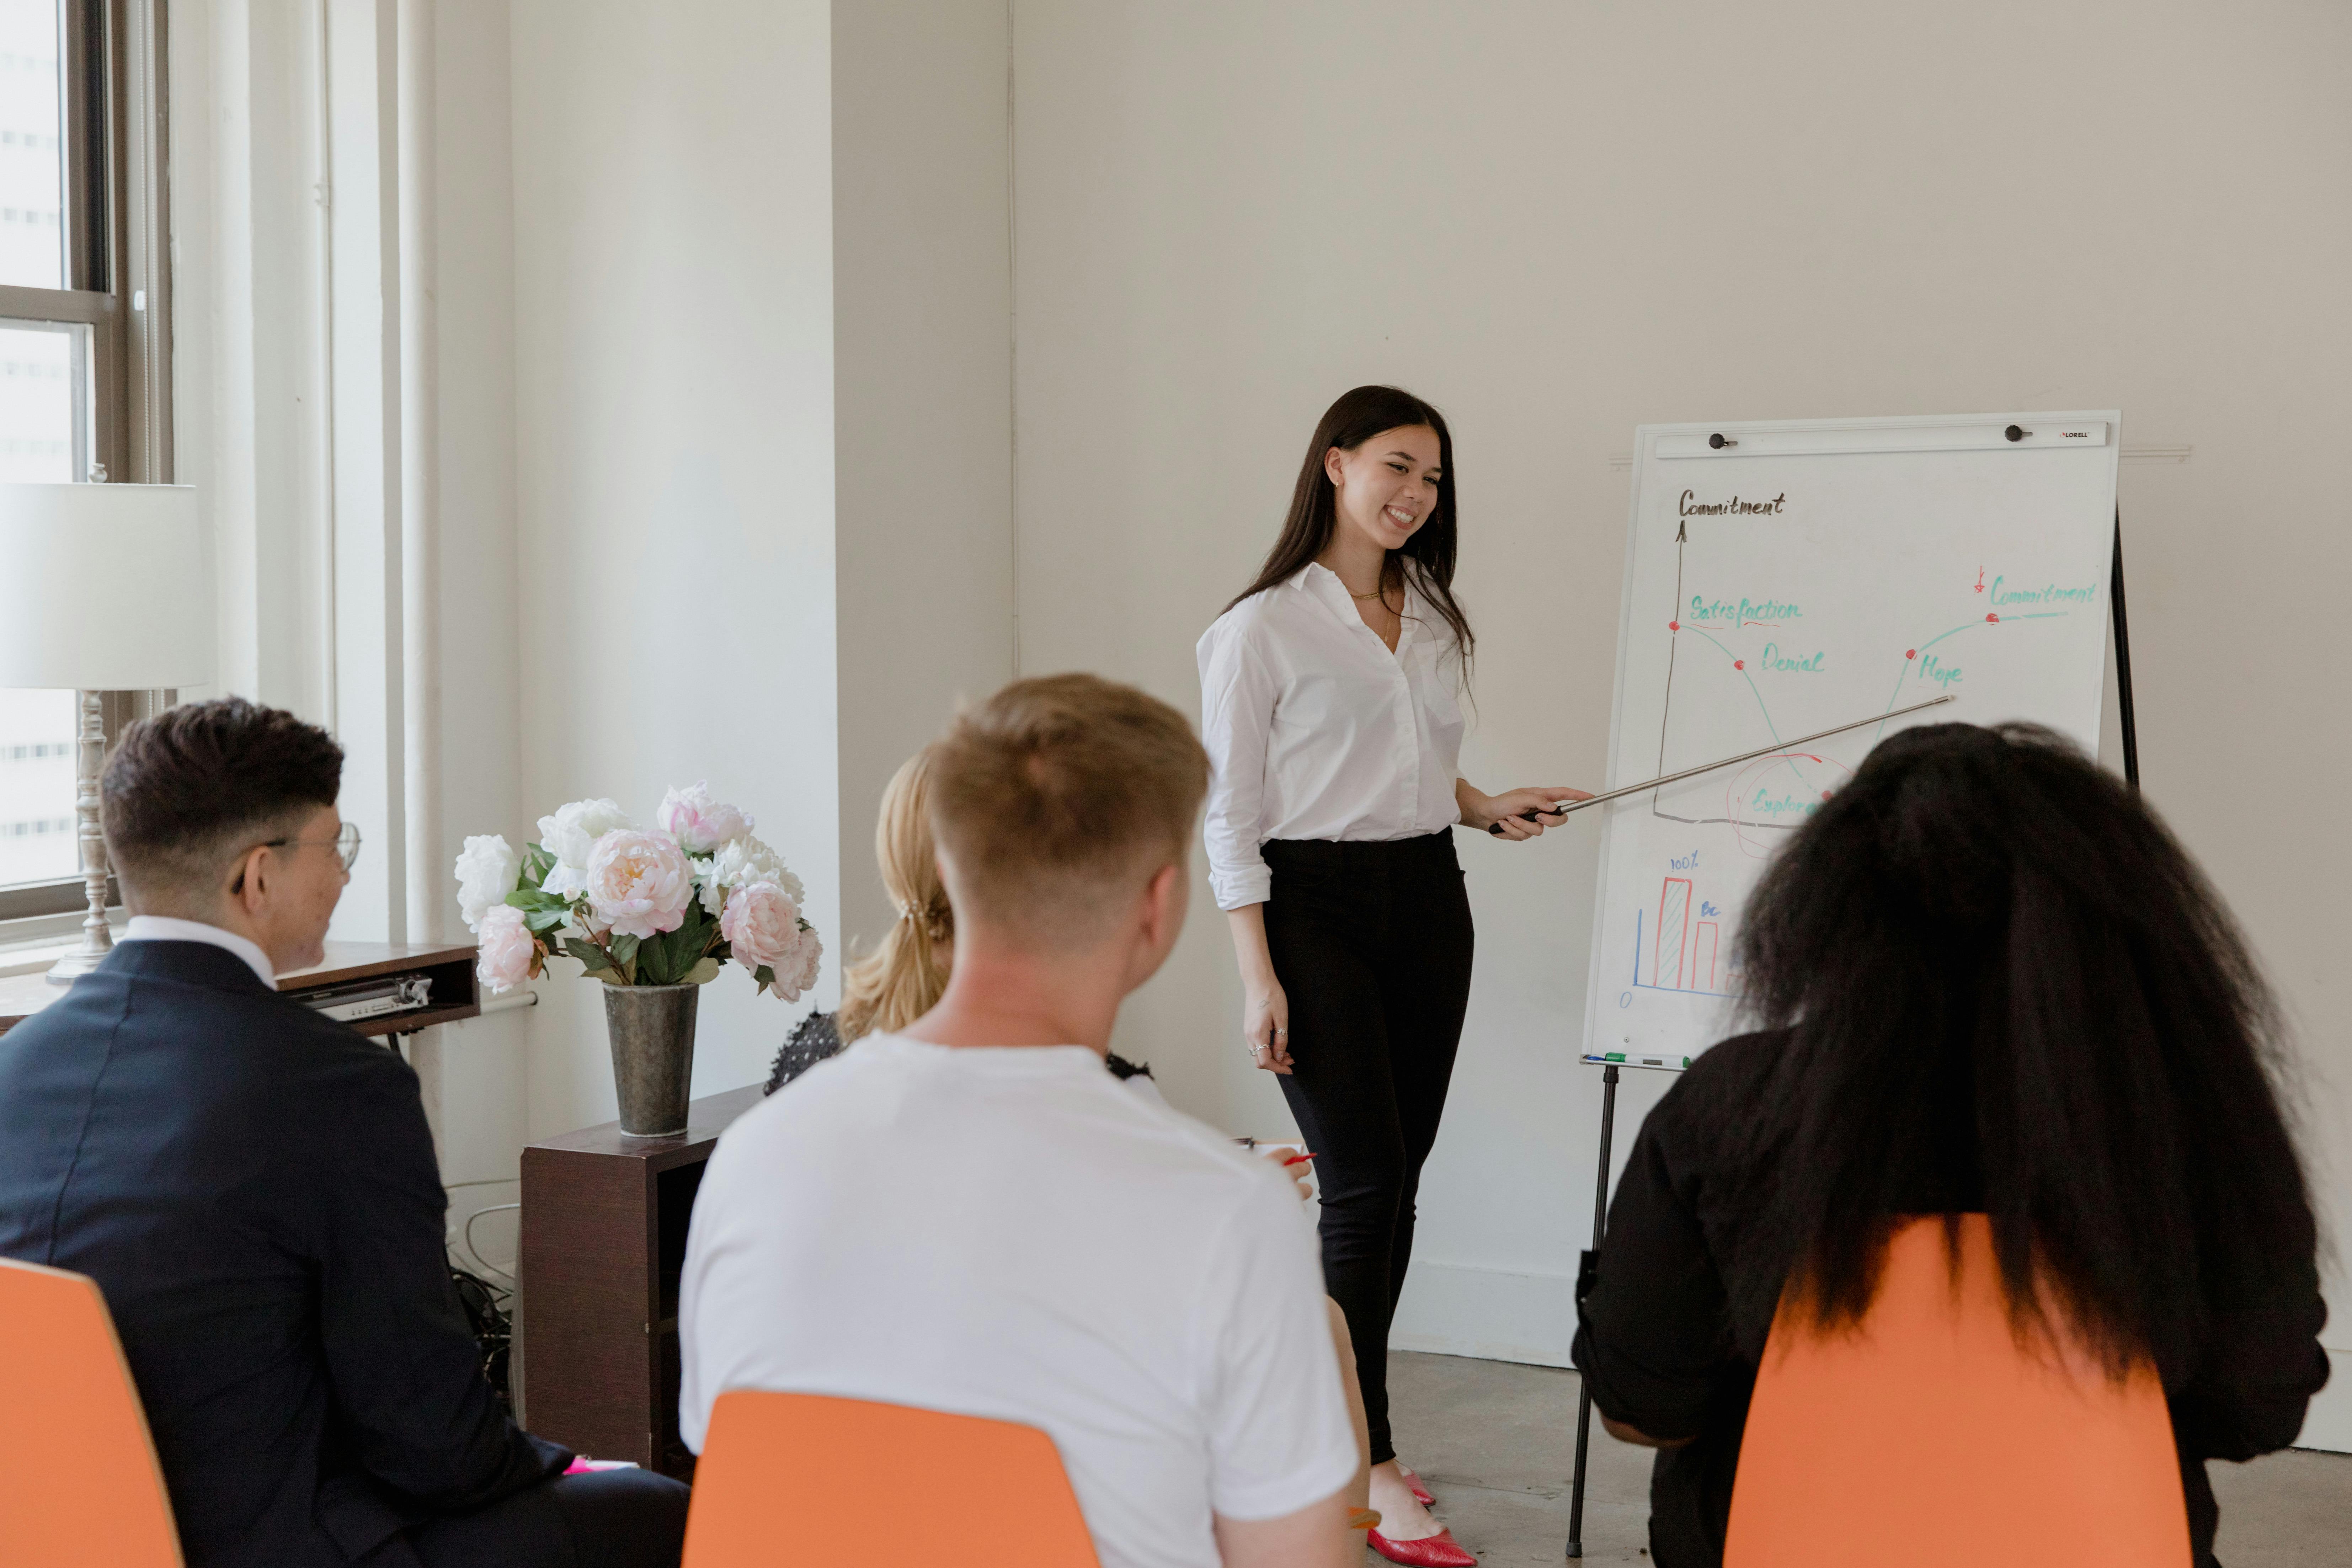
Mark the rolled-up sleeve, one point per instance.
(1237, 694)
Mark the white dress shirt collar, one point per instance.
(1322, 582)
(163, 928)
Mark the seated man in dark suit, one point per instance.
(254, 1188)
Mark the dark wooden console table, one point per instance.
(455, 994)
(604, 1244)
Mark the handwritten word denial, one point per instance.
(1692, 506)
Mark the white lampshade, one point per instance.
(104, 587)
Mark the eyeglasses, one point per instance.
(346, 844)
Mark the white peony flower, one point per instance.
(762, 925)
(699, 823)
(708, 887)
(743, 860)
(508, 953)
(486, 875)
(638, 884)
(571, 836)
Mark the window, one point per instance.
(85, 345)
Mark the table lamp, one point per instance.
(104, 587)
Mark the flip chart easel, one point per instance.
(1875, 438)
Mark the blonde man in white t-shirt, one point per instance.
(970, 1214)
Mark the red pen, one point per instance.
(1297, 1160)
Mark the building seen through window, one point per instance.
(45, 417)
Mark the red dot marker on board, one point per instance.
(1825, 794)
(1740, 664)
(1995, 619)
(1910, 653)
(1674, 625)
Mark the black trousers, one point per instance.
(1371, 943)
(600, 1519)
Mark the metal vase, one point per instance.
(652, 1032)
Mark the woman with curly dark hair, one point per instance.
(1985, 979)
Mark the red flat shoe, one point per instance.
(1438, 1550)
(1412, 1478)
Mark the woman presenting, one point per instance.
(1327, 693)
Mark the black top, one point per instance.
(1660, 1351)
(253, 1187)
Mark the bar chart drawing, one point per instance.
(1686, 952)
(1674, 934)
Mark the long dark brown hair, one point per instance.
(1360, 415)
(2000, 977)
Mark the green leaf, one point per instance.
(703, 973)
(590, 956)
(763, 976)
(624, 948)
(546, 920)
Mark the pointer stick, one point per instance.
(1562, 808)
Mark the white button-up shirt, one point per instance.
(1315, 730)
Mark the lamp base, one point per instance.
(76, 964)
(97, 937)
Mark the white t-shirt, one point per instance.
(1012, 1233)
(1315, 730)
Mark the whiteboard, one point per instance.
(1784, 577)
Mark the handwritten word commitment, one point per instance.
(2049, 594)
(1692, 506)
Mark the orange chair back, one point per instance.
(789, 1478)
(1931, 1439)
(79, 1481)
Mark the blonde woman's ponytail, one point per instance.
(905, 975)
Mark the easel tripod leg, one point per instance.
(1583, 1276)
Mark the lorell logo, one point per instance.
(2075, 435)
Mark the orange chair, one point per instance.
(78, 1480)
(883, 1486)
(1931, 1439)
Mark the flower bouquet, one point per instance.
(653, 913)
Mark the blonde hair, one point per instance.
(1057, 799)
(903, 978)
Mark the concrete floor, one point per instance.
(1496, 1443)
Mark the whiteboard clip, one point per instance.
(1719, 440)
(2017, 433)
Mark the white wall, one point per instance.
(475, 1074)
(1557, 222)
(673, 254)
(923, 394)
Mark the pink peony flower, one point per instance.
(699, 823)
(638, 883)
(762, 925)
(805, 965)
(510, 953)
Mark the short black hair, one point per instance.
(183, 786)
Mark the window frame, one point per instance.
(116, 229)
